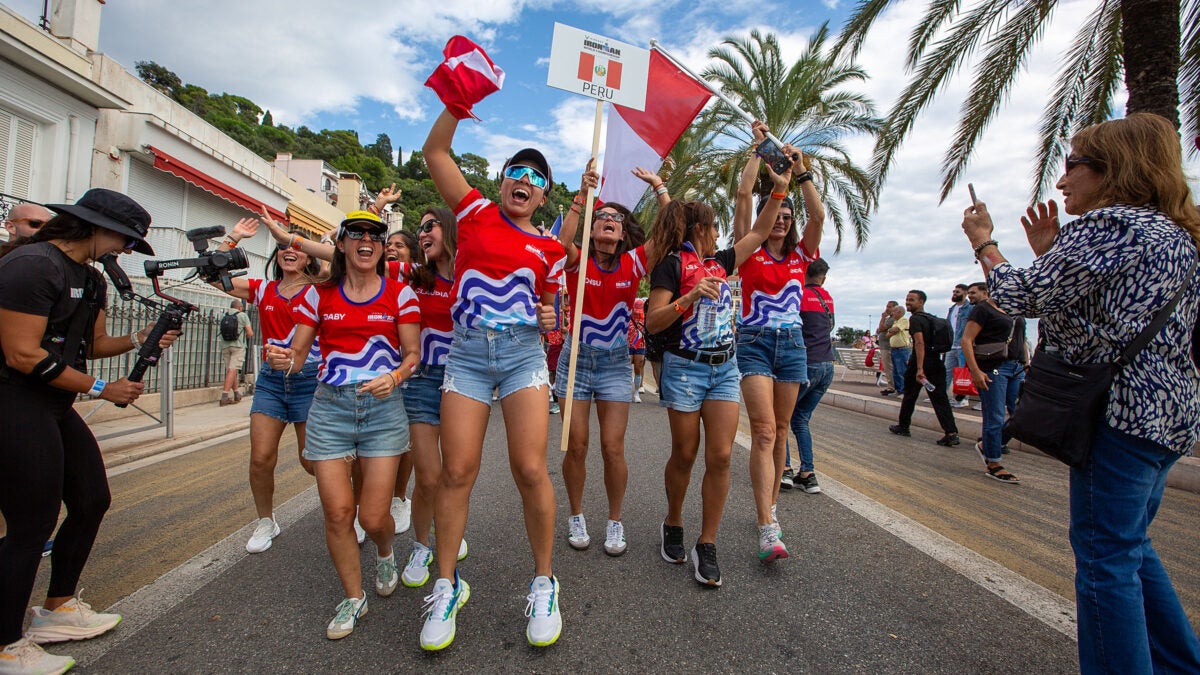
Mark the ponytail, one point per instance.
(675, 224)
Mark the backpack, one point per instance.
(941, 337)
(229, 327)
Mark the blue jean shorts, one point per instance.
(423, 395)
(777, 353)
(601, 374)
(688, 384)
(483, 359)
(344, 422)
(285, 398)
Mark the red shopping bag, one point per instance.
(963, 384)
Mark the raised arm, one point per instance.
(660, 193)
(744, 201)
(814, 209)
(447, 177)
(566, 235)
(766, 218)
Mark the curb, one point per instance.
(1185, 475)
(118, 456)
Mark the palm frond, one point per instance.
(939, 13)
(1189, 73)
(854, 32)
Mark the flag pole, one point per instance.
(577, 317)
(654, 44)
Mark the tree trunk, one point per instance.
(1150, 34)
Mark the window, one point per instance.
(18, 138)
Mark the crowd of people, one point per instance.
(369, 340)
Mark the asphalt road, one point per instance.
(852, 598)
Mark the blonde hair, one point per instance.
(1142, 166)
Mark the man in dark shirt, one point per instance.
(816, 311)
(925, 371)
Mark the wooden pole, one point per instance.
(565, 404)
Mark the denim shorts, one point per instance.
(777, 353)
(483, 359)
(423, 395)
(601, 374)
(687, 384)
(344, 422)
(285, 398)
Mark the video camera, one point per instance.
(211, 266)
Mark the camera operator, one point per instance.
(52, 318)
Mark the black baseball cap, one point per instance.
(112, 211)
(534, 158)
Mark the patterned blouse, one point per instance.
(1101, 282)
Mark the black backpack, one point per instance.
(941, 337)
(229, 327)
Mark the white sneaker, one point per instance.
(74, 620)
(545, 621)
(637, 397)
(349, 611)
(385, 575)
(614, 539)
(462, 548)
(578, 537)
(775, 521)
(770, 547)
(359, 533)
(402, 514)
(416, 570)
(977, 406)
(441, 612)
(641, 389)
(23, 656)
(266, 530)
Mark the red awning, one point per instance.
(205, 182)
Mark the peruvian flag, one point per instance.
(465, 77)
(606, 71)
(673, 99)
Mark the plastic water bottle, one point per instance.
(928, 385)
(706, 318)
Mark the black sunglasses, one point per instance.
(359, 234)
(1073, 161)
(34, 223)
(427, 226)
(608, 215)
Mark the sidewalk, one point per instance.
(193, 424)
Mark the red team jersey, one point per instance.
(437, 329)
(359, 341)
(772, 288)
(501, 271)
(275, 319)
(608, 298)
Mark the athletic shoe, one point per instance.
(775, 522)
(808, 483)
(402, 514)
(637, 397)
(462, 548)
(441, 612)
(48, 548)
(385, 575)
(949, 440)
(899, 430)
(348, 612)
(614, 539)
(787, 482)
(23, 656)
(73, 620)
(578, 537)
(416, 570)
(554, 409)
(672, 544)
(978, 406)
(770, 546)
(545, 621)
(704, 557)
(266, 530)
(359, 533)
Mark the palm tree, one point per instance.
(809, 104)
(1139, 39)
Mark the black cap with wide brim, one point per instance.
(534, 158)
(112, 211)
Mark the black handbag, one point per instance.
(1061, 404)
(996, 350)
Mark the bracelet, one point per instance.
(779, 195)
(294, 244)
(989, 242)
(576, 208)
(660, 190)
(231, 241)
(805, 177)
(395, 380)
(578, 200)
(679, 309)
(133, 339)
(97, 388)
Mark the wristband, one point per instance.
(805, 177)
(133, 339)
(578, 200)
(395, 380)
(779, 195)
(295, 243)
(660, 190)
(679, 309)
(97, 388)
(989, 242)
(231, 241)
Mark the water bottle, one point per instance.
(928, 385)
(706, 318)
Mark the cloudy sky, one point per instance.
(360, 65)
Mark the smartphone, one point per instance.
(971, 189)
(773, 154)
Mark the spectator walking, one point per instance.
(816, 309)
(957, 316)
(899, 340)
(997, 377)
(925, 369)
(235, 328)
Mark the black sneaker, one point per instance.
(672, 544)
(808, 483)
(704, 557)
(899, 430)
(949, 440)
(788, 480)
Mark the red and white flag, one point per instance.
(465, 77)
(673, 99)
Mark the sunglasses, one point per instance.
(536, 179)
(359, 234)
(784, 217)
(33, 222)
(130, 243)
(1073, 161)
(427, 226)
(607, 215)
